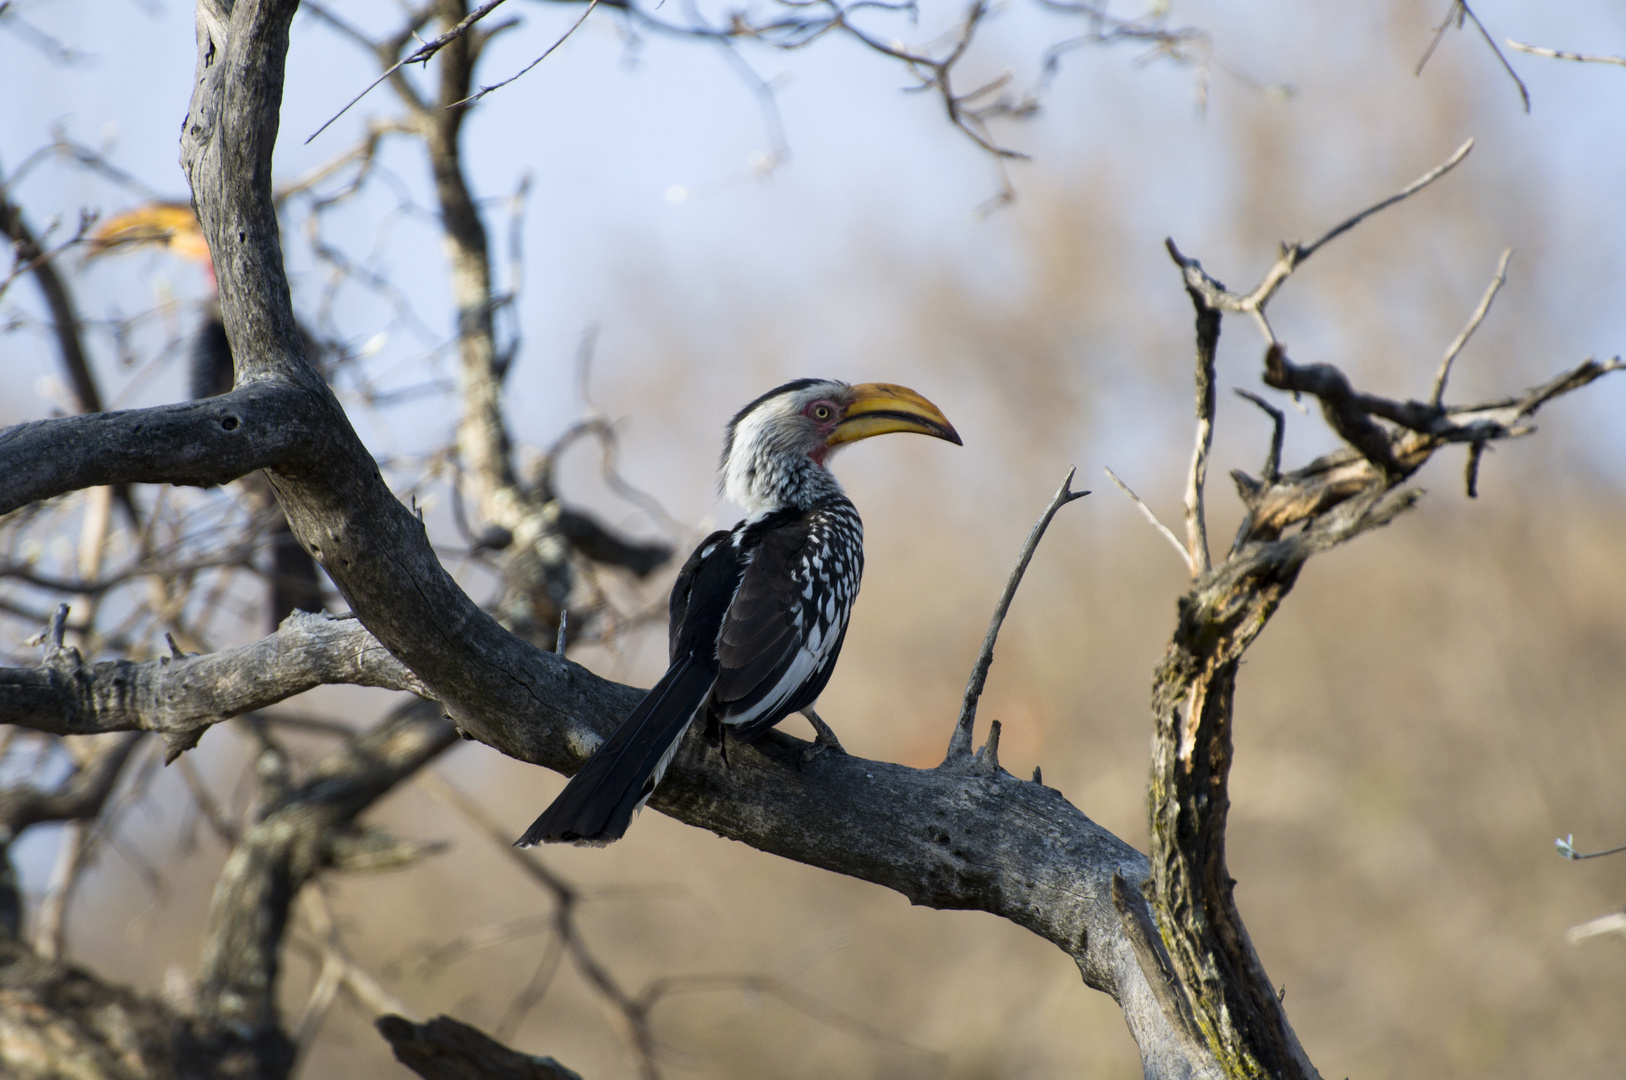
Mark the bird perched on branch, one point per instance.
(295, 579)
(759, 612)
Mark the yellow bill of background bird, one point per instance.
(169, 225)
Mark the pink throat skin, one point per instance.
(818, 454)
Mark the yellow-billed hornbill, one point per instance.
(295, 580)
(759, 611)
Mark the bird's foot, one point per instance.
(823, 738)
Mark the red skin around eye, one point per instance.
(825, 426)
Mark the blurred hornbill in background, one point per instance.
(295, 579)
(759, 612)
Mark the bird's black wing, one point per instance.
(764, 652)
(684, 586)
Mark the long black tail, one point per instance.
(597, 805)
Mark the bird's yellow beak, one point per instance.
(160, 224)
(880, 408)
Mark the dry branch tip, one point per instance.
(959, 749)
(1146, 512)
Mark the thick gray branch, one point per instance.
(78, 798)
(294, 838)
(201, 443)
(180, 696)
(993, 843)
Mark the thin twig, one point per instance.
(524, 858)
(534, 991)
(484, 90)
(423, 53)
(1560, 54)
(51, 920)
(1404, 193)
(224, 828)
(1273, 459)
(1608, 924)
(1468, 330)
(1146, 512)
(1293, 255)
(780, 988)
(1566, 848)
(960, 743)
(1451, 14)
(1455, 13)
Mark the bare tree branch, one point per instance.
(960, 745)
(180, 697)
(1146, 512)
(445, 1049)
(199, 443)
(1218, 297)
(1336, 498)
(80, 797)
(289, 843)
(959, 750)
(1474, 320)
(1208, 331)
(420, 55)
(1457, 12)
(1560, 54)
(484, 90)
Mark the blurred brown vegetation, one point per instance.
(1432, 706)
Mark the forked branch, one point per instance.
(1335, 498)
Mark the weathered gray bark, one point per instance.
(180, 696)
(65, 321)
(238, 1024)
(199, 443)
(58, 1020)
(1224, 988)
(445, 1049)
(1193, 993)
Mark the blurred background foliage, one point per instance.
(1432, 707)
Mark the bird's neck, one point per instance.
(763, 484)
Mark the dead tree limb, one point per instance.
(984, 841)
(179, 697)
(59, 1020)
(1225, 989)
(446, 1049)
(238, 1028)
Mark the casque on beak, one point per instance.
(881, 408)
(169, 225)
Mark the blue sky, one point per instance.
(607, 131)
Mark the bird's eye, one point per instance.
(821, 412)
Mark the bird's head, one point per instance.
(778, 446)
(168, 225)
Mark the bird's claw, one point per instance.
(823, 738)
